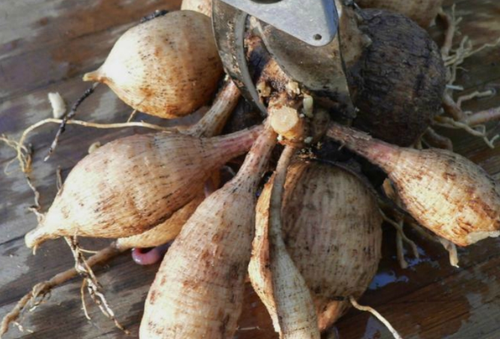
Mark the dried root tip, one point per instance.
(377, 315)
(94, 76)
(36, 237)
(452, 250)
(452, 108)
(58, 105)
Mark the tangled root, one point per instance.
(90, 283)
(472, 123)
(41, 291)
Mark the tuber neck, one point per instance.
(232, 145)
(256, 162)
(214, 120)
(377, 152)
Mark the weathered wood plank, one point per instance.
(76, 41)
(29, 25)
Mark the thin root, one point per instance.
(400, 251)
(423, 232)
(132, 115)
(41, 291)
(483, 117)
(399, 228)
(473, 95)
(452, 108)
(377, 315)
(434, 139)
(452, 251)
(90, 282)
(20, 145)
(69, 116)
(25, 156)
(448, 245)
(451, 23)
(450, 123)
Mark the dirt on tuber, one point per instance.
(332, 230)
(399, 81)
(135, 183)
(443, 191)
(198, 291)
(167, 67)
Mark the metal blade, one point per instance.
(320, 69)
(312, 21)
(229, 29)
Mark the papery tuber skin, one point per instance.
(167, 67)
(423, 12)
(273, 274)
(443, 191)
(135, 183)
(332, 230)
(164, 232)
(398, 83)
(198, 291)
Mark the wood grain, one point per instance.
(47, 46)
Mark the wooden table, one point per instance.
(47, 45)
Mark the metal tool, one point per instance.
(313, 21)
(307, 49)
